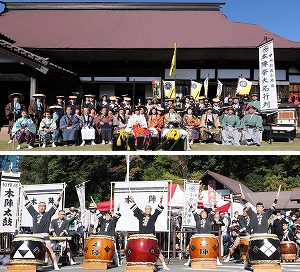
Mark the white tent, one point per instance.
(177, 195)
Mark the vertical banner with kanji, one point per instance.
(268, 91)
(9, 201)
(191, 193)
(212, 192)
(47, 193)
(156, 88)
(80, 189)
(144, 193)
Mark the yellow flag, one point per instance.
(195, 89)
(169, 89)
(173, 65)
(243, 87)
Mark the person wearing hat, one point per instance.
(143, 111)
(24, 129)
(127, 104)
(173, 120)
(113, 104)
(149, 105)
(104, 124)
(252, 128)
(191, 125)
(137, 123)
(230, 132)
(168, 103)
(104, 103)
(13, 111)
(87, 127)
(210, 127)
(73, 103)
(122, 103)
(255, 103)
(48, 130)
(70, 125)
(91, 103)
(61, 103)
(200, 106)
(37, 108)
(216, 106)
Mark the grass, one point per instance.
(265, 146)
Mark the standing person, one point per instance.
(259, 220)
(255, 103)
(70, 125)
(252, 127)
(74, 225)
(87, 127)
(41, 222)
(230, 133)
(108, 225)
(73, 103)
(59, 227)
(244, 222)
(277, 226)
(13, 111)
(37, 108)
(147, 222)
(25, 130)
(61, 103)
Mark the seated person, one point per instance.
(286, 235)
(191, 125)
(70, 125)
(252, 128)
(24, 129)
(210, 127)
(234, 245)
(230, 133)
(87, 127)
(172, 121)
(59, 228)
(120, 120)
(155, 121)
(136, 123)
(104, 126)
(48, 129)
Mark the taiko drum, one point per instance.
(288, 249)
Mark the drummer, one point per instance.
(41, 223)
(259, 220)
(108, 225)
(59, 228)
(203, 224)
(147, 222)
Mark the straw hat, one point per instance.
(11, 96)
(39, 95)
(55, 107)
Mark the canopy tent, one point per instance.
(175, 199)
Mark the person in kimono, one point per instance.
(255, 103)
(155, 121)
(48, 130)
(210, 127)
(252, 128)
(237, 107)
(87, 127)
(25, 130)
(136, 123)
(147, 221)
(120, 120)
(37, 108)
(191, 125)
(104, 126)
(91, 102)
(73, 103)
(230, 132)
(13, 111)
(70, 125)
(60, 103)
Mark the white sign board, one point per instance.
(190, 195)
(268, 92)
(144, 193)
(47, 193)
(9, 201)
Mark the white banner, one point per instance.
(144, 193)
(268, 91)
(170, 89)
(47, 193)
(9, 201)
(219, 88)
(190, 195)
(80, 189)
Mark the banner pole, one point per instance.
(169, 235)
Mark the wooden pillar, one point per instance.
(33, 85)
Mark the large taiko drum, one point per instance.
(244, 245)
(264, 249)
(28, 249)
(99, 249)
(288, 249)
(141, 250)
(204, 247)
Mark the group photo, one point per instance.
(199, 219)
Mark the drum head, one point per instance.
(100, 237)
(142, 236)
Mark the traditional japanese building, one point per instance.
(117, 48)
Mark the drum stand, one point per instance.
(94, 265)
(148, 268)
(267, 268)
(204, 265)
(24, 268)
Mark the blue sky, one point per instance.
(278, 16)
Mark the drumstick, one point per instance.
(251, 198)
(279, 189)
(241, 189)
(93, 200)
(164, 190)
